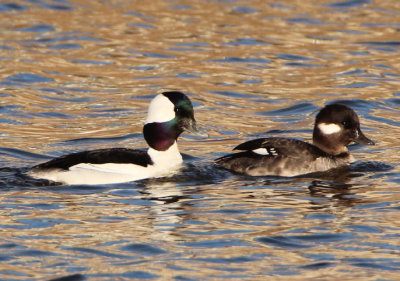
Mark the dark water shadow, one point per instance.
(73, 277)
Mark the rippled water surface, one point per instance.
(79, 75)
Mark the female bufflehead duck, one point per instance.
(169, 114)
(336, 126)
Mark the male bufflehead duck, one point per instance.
(169, 114)
(336, 126)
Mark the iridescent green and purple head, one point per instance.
(169, 114)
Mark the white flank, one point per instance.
(261, 151)
(165, 163)
(328, 129)
(161, 109)
(90, 174)
(264, 151)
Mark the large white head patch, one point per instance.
(161, 109)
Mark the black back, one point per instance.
(99, 156)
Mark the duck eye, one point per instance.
(177, 109)
(346, 124)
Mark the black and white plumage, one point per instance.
(169, 114)
(336, 126)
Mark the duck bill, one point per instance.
(192, 129)
(362, 139)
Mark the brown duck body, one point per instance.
(336, 126)
(281, 157)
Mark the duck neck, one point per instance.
(329, 145)
(332, 150)
(161, 136)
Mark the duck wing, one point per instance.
(271, 156)
(99, 156)
(276, 147)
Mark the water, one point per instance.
(79, 75)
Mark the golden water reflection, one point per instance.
(79, 75)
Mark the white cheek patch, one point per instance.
(264, 151)
(328, 129)
(161, 109)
